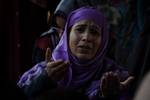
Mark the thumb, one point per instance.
(127, 82)
(48, 55)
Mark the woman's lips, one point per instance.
(84, 47)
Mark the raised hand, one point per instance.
(56, 69)
(111, 85)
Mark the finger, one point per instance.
(61, 67)
(115, 79)
(48, 55)
(54, 63)
(59, 71)
(61, 74)
(104, 82)
(108, 77)
(127, 82)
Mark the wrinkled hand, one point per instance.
(111, 85)
(56, 69)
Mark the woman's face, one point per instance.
(85, 39)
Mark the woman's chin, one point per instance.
(84, 57)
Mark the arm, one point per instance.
(39, 85)
(43, 76)
(36, 80)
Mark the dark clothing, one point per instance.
(36, 81)
(47, 39)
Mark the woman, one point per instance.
(78, 62)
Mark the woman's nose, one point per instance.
(86, 36)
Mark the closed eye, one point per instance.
(80, 29)
(95, 32)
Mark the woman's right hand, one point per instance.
(56, 70)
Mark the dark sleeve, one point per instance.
(38, 55)
(38, 85)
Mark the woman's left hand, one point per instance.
(111, 85)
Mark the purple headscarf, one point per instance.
(78, 74)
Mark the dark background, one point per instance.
(21, 22)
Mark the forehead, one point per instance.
(87, 23)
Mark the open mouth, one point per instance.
(84, 47)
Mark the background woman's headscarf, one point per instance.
(78, 74)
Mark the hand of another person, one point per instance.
(56, 69)
(111, 85)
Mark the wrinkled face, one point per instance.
(85, 39)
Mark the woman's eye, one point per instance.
(93, 31)
(80, 30)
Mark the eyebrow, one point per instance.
(81, 25)
(95, 27)
(84, 25)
